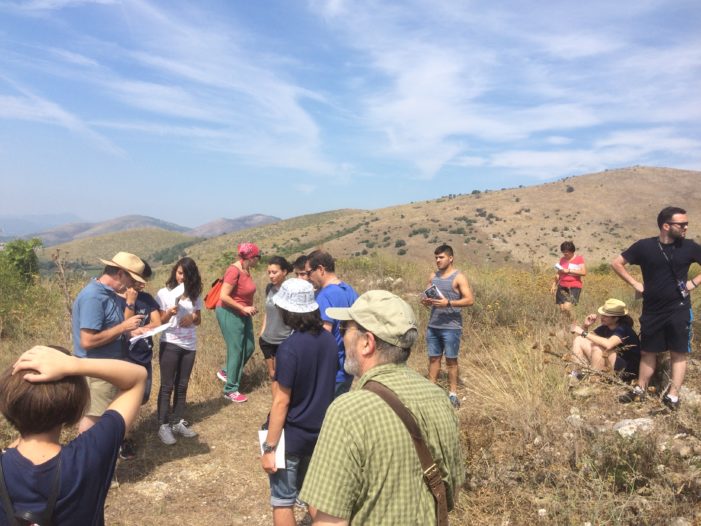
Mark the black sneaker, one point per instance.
(127, 450)
(634, 395)
(666, 400)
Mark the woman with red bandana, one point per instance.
(235, 313)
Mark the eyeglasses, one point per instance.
(344, 327)
(684, 224)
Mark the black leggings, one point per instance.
(176, 367)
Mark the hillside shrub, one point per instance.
(399, 243)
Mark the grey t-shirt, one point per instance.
(450, 317)
(275, 330)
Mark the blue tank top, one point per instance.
(450, 317)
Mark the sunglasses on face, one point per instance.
(684, 224)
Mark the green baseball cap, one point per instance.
(380, 312)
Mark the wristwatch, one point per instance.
(131, 306)
(267, 448)
(584, 334)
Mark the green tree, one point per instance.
(20, 256)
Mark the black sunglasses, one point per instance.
(684, 224)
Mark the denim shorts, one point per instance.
(286, 483)
(443, 341)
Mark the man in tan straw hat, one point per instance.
(365, 468)
(99, 327)
(665, 324)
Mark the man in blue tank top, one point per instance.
(445, 324)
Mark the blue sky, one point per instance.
(188, 111)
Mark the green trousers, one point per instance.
(238, 335)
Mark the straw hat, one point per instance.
(128, 263)
(613, 307)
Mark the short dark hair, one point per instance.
(111, 270)
(444, 249)
(303, 321)
(39, 407)
(567, 246)
(280, 262)
(324, 259)
(300, 262)
(147, 272)
(666, 214)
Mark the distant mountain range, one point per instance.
(17, 226)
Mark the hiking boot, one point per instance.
(127, 450)
(634, 395)
(181, 429)
(236, 397)
(221, 374)
(666, 400)
(454, 400)
(165, 433)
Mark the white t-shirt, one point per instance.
(185, 337)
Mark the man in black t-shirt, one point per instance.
(665, 324)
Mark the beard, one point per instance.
(351, 365)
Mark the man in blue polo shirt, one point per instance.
(99, 327)
(331, 292)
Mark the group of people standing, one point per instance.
(666, 320)
(347, 455)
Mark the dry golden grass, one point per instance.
(527, 461)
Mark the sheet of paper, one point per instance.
(176, 293)
(152, 332)
(279, 451)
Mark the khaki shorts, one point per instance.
(101, 396)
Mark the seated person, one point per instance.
(613, 345)
(43, 391)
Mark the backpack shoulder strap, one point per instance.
(6, 502)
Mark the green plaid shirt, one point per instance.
(365, 468)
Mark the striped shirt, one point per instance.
(365, 468)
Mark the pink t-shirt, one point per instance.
(244, 288)
(569, 280)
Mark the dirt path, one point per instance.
(215, 478)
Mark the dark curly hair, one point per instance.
(193, 281)
(303, 321)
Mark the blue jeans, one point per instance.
(443, 341)
(286, 483)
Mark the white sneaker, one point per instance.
(181, 429)
(165, 433)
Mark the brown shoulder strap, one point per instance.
(432, 473)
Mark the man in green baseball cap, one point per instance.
(365, 469)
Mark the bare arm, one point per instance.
(324, 519)
(278, 414)
(52, 365)
(619, 267)
(605, 343)
(466, 297)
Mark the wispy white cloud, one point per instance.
(27, 106)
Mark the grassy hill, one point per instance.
(147, 242)
(602, 213)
